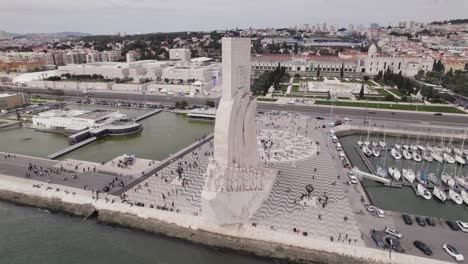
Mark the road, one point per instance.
(323, 111)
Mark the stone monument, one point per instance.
(236, 185)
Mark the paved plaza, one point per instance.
(297, 149)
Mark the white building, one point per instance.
(180, 54)
(74, 120)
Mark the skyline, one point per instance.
(182, 15)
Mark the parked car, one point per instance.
(438, 114)
(430, 221)
(453, 225)
(393, 232)
(353, 179)
(347, 119)
(380, 213)
(369, 207)
(331, 124)
(453, 252)
(423, 247)
(420, 221)
(463, 226)
(407, 219)
(320, 118)
(395, 244)
(338, 123)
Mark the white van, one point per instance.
(339, 147)
(334, 139)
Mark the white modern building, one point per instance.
(74, 120)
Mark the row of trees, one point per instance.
(264, 81)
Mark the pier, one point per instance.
(71, 148)
(146, 115)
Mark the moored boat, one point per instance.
(422, 191)
(395, 154)
(461, 181)
(398, 146)
(406, 154)
(359, 143)
(367, 151)
(394, 173)
(427, 157)
(421, 147)
(375, 152)
(382, 144)
(448, 158)
(408, 174)
(455, 197)
(416, 156)
(464, 195)
(460, 160)
(448, 180)
(436, 156)
(439, 194)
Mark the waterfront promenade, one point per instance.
(312, 225)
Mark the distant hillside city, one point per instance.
(434, 53)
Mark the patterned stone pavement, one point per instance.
(301, 149)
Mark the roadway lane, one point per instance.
(324, 111)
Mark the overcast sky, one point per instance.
(131, 16)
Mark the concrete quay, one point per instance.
(247, 239)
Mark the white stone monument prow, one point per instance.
(236, 185)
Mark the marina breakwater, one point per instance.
(244, 239)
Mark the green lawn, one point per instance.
(395, 91)
(355, 81)
(295, 88)
(283, 88)
(424, 108)
(266, 99)
(382, 92)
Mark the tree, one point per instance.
(404, 98)
(366, 78)
(318, 70)
(361, 93)
(389, 97)
(378, 76)
(183, 104)
(177, 104)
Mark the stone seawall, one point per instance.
(52, 204)
(244, 246)
(241, 239)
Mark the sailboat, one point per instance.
(408, 174)
(394, 173)
(382, 144)
(359, 143)
(439, 194)
(422, 191)
(374, 144)
(413, 147)
(455, 197)
(422, 178)
(462, 182)
(464, 195)
(436, 156)
(460, 160)
(427, 157)
(375, 152)
(448, 180)
(458, 151)
(367, 151)
(421, 147)
(398, 146)
(406, 154)
(395, 153)
(416, 156)
(448, 158)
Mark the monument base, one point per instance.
(235, 204)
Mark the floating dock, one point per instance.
(146, 115)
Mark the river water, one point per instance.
(404, 199)
(33, 236)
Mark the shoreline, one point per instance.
(245, 240)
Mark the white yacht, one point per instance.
(375, 144)
(375, 152)
(427, 157)
(406, 154)
(382, 144)
(447, 150)
(422, 191)
(366, 143)
(413, 147)
(455, 197)
(405, 146)
(436, 156)
(359, 143)
(440, 194)
(381, 172)
(408, 174)
(430, 148)
(416, 156)
(464, 195)
(460, 160)
(438, 149)
(367, 151)
(421, 147)
(448, 180)
(395, 154)
(448, 158)
(394, 173)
